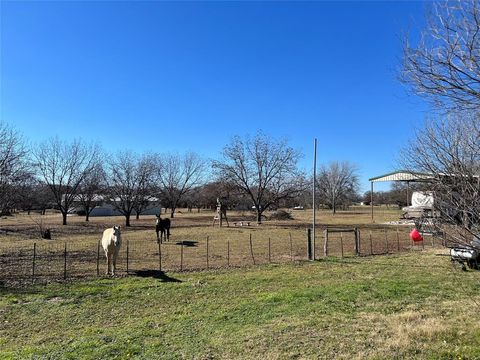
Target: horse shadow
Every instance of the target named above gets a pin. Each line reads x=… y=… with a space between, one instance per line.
x=187 y=243
x=155 y=274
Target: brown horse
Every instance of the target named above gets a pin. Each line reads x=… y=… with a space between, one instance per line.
x=163 y=227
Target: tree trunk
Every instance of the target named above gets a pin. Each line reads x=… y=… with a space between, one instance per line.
x=127 y=220
x=138 y=215
x=172 y=213
x=64 y=217
x=87 y=213
x=259 y=216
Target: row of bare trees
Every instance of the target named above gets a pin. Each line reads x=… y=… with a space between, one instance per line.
x=257 y=173
x=62 y=174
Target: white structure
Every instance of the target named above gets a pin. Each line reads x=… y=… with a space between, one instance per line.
x=106 y=208
x=422 y=204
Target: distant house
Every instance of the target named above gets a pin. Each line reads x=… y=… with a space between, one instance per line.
x=106 y=208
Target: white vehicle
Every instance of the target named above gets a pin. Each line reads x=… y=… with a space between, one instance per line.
x=469 y=255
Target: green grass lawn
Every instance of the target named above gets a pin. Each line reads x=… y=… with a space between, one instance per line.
x=404 y=306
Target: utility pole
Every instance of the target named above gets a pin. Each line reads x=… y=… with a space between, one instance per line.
x=313 y=196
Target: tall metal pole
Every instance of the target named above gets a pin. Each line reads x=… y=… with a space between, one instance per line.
x=371 y=198
x=313 y=192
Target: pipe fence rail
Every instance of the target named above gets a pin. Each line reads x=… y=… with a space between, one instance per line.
x=45 y=261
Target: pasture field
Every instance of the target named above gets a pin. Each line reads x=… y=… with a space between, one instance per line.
x=74 y=252
x=409 y=305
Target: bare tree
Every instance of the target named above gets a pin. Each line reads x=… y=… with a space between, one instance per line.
x=444 y=66
x=177 y=175
x=449 y=150
x=13 y=166
x=63 y=166
x=35 y=195
x=146 y=188
x=128 y=177
x=91 y=188
x=337 y=183
x=262 y=168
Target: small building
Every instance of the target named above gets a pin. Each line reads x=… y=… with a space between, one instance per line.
x=104 y=207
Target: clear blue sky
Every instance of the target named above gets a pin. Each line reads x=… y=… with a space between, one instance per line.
x=158 y=76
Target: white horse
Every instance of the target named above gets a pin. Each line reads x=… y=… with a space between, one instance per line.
x=111 y=242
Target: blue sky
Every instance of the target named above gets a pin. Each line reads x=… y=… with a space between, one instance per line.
x=177 y=76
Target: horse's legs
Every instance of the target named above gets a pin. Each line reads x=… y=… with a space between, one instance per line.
x=108 y=263
x=158 y=240
x=114 y=263
x=168 y=233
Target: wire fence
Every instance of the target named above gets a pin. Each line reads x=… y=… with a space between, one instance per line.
x=45 y=262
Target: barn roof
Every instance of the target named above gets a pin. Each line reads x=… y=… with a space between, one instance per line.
x=402 y=175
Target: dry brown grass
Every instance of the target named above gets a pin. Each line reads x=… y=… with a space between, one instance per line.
x=272 y=241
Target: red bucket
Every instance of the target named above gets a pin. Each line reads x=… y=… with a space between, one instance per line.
x=415 y=235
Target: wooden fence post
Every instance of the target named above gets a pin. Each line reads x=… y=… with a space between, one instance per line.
x=98 y=258
x=65 y=263
x=251 y=249
x=207 y=254
x=34 y=258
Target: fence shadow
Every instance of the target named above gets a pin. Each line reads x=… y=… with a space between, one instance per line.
x=155 y=274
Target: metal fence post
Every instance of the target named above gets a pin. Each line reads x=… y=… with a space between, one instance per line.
x=251 y=249
x=398 y=241
x=228 y=252
x=34 y=258
x=269 y=251
x=371 y=243
x=98 y=258
x=65 y=263
x=325 y=244
x=208 y=265
x=181 y=256
x=291 y=247
x=159 y=256
x=386 y=240
x=341 y=242
x=127 y=255
x=309 y=244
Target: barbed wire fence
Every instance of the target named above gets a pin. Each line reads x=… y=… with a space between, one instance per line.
x=45 y=262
